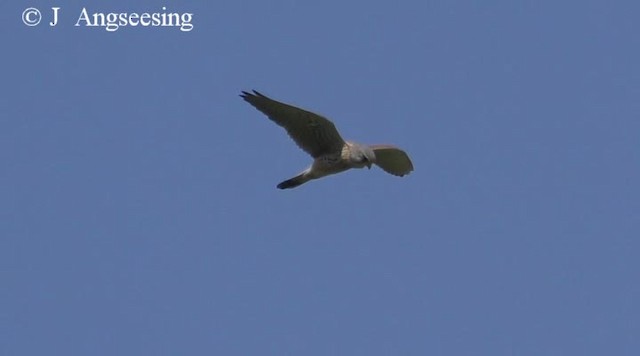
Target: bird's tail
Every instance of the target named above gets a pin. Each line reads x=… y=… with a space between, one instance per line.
x=294 y=182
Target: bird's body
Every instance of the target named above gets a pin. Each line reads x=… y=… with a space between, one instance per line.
x=319 y=137
x=325 y=165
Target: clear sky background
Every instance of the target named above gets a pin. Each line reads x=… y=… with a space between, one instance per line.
x=139 y=213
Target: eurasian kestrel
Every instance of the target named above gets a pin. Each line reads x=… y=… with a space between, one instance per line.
x=319 y=137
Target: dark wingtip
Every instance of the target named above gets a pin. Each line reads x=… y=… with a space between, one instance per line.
x=284 y=185
x=289 y=183
x=247 y=96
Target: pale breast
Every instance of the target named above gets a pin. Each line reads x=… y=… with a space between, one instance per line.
x=328 y=164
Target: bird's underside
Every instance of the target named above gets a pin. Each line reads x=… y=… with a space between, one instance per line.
x=319 y=137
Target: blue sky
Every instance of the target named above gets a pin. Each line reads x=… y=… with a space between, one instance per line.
x=139 y=213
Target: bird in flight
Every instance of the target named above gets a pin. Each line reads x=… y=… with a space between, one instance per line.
x=319 y=137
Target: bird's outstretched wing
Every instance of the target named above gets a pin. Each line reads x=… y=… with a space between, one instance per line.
x=392 y=159
x=313 y=133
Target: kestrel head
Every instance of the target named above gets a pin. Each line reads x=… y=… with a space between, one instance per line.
x=361 y=155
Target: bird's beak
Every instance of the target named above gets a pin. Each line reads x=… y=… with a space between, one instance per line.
x=369 y=165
